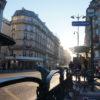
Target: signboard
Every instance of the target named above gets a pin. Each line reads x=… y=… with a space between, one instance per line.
x=90 y=12
x=80 y=23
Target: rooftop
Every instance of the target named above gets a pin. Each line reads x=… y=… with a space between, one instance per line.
x=24 y=12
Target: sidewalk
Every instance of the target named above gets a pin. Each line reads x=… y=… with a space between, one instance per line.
x=87 y=94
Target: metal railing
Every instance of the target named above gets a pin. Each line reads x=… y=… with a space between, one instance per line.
x=44 y=92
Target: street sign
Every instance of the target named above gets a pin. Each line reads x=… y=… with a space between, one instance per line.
x=90 y=12
x=80 y=23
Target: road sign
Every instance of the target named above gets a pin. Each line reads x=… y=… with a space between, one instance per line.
x=90 y=12
x=80 y=23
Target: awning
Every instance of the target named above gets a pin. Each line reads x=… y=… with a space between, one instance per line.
x=80 y=49
x=22 y=58
x=6 y=40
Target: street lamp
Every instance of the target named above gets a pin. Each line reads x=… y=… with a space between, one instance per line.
x=78 y=18
x=75 y=32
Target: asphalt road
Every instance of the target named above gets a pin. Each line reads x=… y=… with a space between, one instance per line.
x=25 y=90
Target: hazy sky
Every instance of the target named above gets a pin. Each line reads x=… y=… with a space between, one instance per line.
x=56 y=14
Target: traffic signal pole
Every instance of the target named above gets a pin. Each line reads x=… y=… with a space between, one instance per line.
x=78 y=32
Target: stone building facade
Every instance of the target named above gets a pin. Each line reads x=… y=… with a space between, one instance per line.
x=5 y=40
x=34 y=41
x=6 y=29
x=61 y=55
x=96 y=29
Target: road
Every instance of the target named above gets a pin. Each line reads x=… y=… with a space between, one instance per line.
x=22 y=91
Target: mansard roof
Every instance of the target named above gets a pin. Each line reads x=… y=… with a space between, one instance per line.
x=24 y=12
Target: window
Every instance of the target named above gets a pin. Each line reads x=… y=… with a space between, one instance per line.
x=97 y=32
x=24 y=53
x=34 y=29
x=25 y=35
x=15 y=18
x=13 y=35
x=96 y=53
x=25 y=27
x=13 y=27
x=28 y=28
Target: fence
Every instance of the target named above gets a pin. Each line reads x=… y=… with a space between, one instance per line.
x=44 y=90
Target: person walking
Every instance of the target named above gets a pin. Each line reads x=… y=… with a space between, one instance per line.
x=77 y=67
x=71 y=67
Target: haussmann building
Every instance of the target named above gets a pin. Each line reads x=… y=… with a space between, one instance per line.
x=95 y=4
x=34 y=42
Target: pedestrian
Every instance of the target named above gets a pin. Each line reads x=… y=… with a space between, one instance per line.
x=85 y=61
x=77 y=71
x=71 y=66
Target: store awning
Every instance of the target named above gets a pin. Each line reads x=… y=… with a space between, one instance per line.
x=6 y=40
x=22 y=58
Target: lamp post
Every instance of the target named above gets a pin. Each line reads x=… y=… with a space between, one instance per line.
x=78 y=18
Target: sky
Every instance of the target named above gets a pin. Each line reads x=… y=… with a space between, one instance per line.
x=57 y=16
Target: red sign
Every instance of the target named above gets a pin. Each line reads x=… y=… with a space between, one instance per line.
x=29 y=46
x=90 y=12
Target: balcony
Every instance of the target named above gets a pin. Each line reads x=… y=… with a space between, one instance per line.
x=17 y=47
x=25 y=22
x=22 y=21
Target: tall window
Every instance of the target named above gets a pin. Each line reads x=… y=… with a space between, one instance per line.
x=25 y=35
x=97 y=32
x=13 y=35
x=24 y=53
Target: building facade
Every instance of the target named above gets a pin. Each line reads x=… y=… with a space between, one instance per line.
x=2 y=5
x=6 y=27
x=96 y=29
x=6 y=30
x=34 y=41
x=5 y=40
x=61 y=55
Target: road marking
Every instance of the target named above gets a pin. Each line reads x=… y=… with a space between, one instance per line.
x=11 y=94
